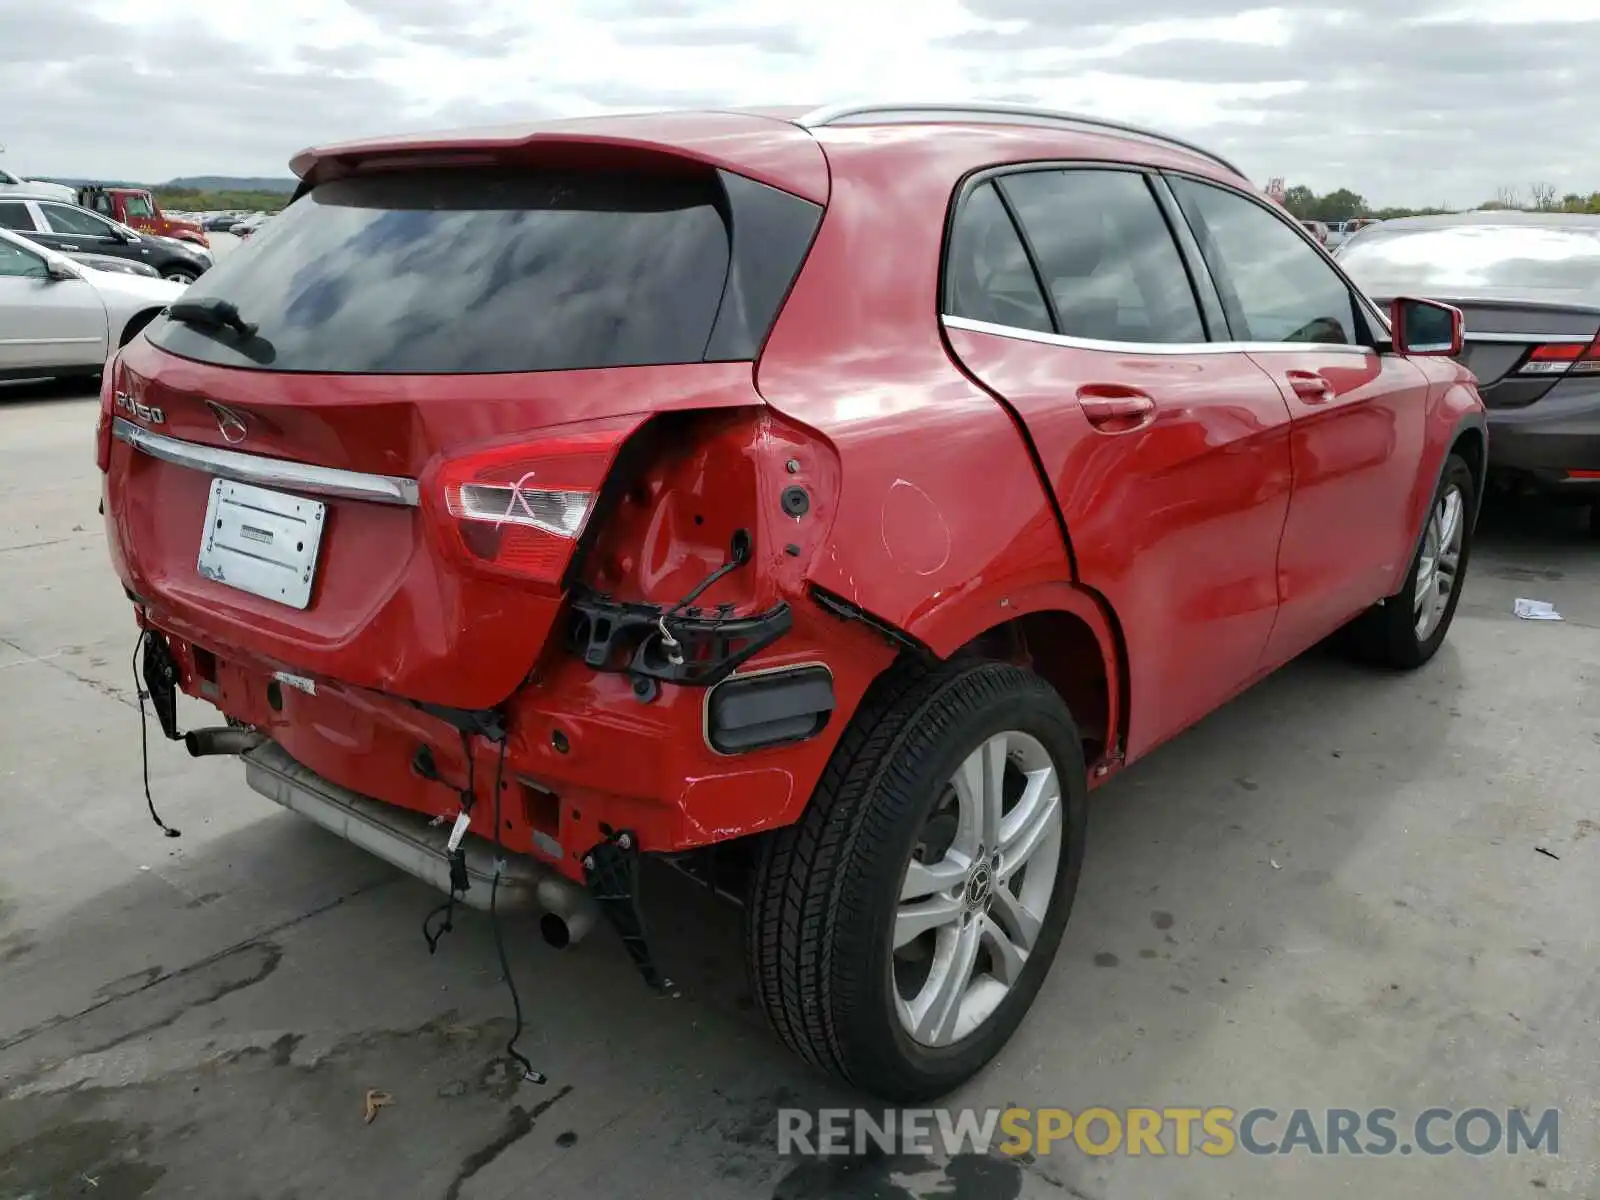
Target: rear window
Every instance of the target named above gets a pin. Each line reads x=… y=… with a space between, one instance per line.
x=468 y=271
x=1473 y=257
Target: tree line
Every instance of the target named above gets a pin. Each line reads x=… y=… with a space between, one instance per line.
x=1342 y=204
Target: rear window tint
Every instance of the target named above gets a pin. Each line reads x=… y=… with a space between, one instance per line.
x=1475 y=256
x=468 y=271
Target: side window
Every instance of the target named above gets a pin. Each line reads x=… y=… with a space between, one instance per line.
x=62 y=219
x=16 y=262
x=15 y=215
x=1107 y=256
x=988 y=277
x=1275 y=287
x=137 y=206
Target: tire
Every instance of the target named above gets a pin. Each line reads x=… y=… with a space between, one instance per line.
x=180 y=275
x=1392 y=634
x=826 y=899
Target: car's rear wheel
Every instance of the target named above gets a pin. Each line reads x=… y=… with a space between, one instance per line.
x=1408 y=628
x=898 y=934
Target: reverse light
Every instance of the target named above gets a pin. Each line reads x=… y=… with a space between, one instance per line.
x=1567 y=358
x=518 y=510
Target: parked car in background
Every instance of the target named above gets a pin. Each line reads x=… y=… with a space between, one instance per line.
x=1529 y=284
x=1342 y=231
x=1316 y=229
x=137 y=209
x=72 y=230
x=612 y=487
x=249 y=225
x=222 y=222
x=62 y=318
x=14 y=185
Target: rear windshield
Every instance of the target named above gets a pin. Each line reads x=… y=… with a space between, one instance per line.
x=1469 y=258
x=468 y=271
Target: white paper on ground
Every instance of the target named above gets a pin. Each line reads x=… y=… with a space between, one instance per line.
x=1535 y=610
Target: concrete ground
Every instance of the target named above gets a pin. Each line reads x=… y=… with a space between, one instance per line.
x=1346 y=889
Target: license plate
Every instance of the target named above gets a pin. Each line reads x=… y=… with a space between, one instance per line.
x=261 y=541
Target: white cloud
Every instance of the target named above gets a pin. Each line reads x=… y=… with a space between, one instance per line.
x=129 y=89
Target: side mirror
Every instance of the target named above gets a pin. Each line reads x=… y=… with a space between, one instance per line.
x=122 y=235
x=1426 y=327
x=58 y=272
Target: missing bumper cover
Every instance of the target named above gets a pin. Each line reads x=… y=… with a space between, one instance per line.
x=768 y=708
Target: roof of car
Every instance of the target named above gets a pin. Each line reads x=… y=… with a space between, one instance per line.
x=776 y=144
x=1589 y=222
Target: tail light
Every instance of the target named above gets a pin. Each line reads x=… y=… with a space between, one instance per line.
x=103 y=423
x=1567 y=358
x=518 y=510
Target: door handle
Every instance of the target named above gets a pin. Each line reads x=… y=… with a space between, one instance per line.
x=1113 y=408
x=1311 y=387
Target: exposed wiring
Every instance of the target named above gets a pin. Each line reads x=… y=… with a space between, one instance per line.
x=144 y=740
x=739 y=554
x=459 y=884
x=528 y=1073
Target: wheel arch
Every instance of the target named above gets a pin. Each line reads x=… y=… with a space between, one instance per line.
x=1066 y=634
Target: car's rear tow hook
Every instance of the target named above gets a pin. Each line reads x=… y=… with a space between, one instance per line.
x=221 y=739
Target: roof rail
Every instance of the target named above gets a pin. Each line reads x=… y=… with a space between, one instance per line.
x=1022 y=114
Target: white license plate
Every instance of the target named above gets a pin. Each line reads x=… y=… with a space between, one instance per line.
x=261 y=541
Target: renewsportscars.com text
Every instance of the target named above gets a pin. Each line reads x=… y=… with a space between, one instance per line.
x=1214 y=1132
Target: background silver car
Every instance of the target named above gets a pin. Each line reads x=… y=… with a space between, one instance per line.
x=58 y=317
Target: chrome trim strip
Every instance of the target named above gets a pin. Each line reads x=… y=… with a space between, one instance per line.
x=838 y=114
x=1078 y=343
x=268 y=472
x=1534 y=339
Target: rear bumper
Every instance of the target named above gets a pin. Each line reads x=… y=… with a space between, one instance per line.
x=1557 y=434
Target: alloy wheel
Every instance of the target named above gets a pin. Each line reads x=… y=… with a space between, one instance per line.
x=976 y=891
x=1439 y=563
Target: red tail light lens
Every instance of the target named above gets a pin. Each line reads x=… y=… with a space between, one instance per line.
x=103 y=424
x=1567 y=358
x=518 y=510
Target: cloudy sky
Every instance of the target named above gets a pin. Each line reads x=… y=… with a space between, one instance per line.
x=1444 y=105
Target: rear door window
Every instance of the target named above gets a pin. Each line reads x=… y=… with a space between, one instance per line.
x=988 y=275
x=1107 y=255
x=75 y=221
x=15 y=215
x=475 y=271
x=1275 y=287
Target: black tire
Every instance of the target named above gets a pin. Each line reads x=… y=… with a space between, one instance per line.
x=819 y=923
x=1387 y=635
x=180 y=275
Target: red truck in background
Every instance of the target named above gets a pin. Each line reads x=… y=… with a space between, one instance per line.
x=137 y=208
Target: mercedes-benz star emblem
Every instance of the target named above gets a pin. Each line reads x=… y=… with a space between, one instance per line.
x=231 y=423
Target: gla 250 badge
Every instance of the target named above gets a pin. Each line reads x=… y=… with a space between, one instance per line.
x=130 y=407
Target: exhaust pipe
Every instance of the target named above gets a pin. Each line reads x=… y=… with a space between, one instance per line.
x=569 y=912
x=409 y=841
x=221 y=739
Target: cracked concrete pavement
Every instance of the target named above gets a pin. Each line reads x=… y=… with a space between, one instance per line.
x=1331 y=893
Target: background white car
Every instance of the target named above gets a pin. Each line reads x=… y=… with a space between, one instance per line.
x=58 y=317
x=27 y=187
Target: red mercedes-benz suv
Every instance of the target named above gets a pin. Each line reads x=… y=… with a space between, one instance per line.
x=851 y=491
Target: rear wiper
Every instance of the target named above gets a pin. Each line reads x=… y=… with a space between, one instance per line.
x=211 y=313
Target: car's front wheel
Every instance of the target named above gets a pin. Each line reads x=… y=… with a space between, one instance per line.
x=179 y=275
x=1408 y=628
x=898 y=934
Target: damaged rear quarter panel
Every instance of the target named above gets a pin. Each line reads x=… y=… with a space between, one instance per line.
x=941 y=509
